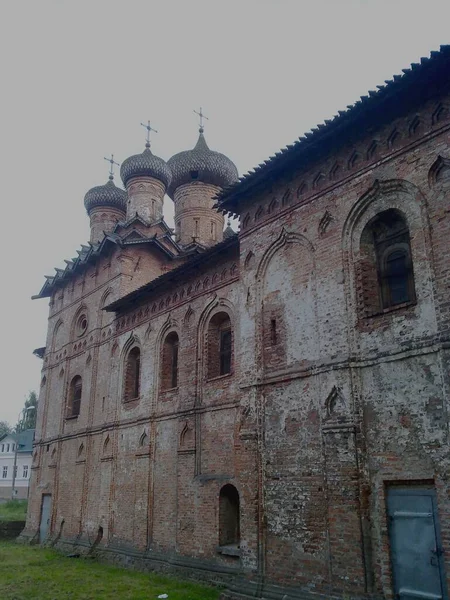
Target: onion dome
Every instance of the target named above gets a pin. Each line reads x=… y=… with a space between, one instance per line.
x=106 y=195
x=145 y=165
x=201 y=164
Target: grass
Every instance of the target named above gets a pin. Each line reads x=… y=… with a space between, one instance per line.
x=13 y=510
x=31 y=572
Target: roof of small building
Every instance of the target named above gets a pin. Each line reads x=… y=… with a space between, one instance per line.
x=418 y=83
x=201 y=164
x=24 y=440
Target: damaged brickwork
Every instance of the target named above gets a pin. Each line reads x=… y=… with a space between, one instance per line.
x=277 y=405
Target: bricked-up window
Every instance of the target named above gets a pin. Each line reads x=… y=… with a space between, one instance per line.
x=132 y=387
x=75 y=391
x=169 y=363
x=220 y=346
x=386 y=270
x=229 y=528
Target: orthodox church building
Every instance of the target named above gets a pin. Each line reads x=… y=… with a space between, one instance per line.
x=268 y=408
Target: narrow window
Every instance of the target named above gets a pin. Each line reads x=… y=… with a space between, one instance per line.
x=169 y=363
x=273 y=332
x=25 y=471
x=75 y=392
x=3 y=447
x=213 y=230
x=5 y=472
x=395 y=274
x=132 y=374
x=225 y=351
x=229 y=526
x=196 y=228
x=15 y=472
x=220 y=346
x=7 y=447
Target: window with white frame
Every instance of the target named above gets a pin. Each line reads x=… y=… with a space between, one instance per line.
x=3 y=447
x=15 y=471
x=5 y=472
x=7 y=447
x=25 y=472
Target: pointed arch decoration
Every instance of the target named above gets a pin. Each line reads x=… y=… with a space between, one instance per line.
x=189 y=316
x=439 y=171
x=59 y=323
x=284 y=238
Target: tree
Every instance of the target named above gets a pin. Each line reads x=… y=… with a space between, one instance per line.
x=5 y=428
x=28 y=417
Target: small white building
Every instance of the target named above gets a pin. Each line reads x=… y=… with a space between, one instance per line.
x=18 y=445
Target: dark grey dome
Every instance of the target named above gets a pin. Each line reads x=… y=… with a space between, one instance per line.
x=145 y=165
x=106 y=195
x=201 y=164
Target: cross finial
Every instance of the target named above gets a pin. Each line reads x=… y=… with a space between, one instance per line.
x=112 y=162
x=148 y=128
x=202 y=116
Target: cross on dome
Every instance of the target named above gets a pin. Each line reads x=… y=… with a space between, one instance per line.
x=148 y=128
x=202 y=116
x=112 y=162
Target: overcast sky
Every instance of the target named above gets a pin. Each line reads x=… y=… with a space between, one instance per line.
x=77 y=78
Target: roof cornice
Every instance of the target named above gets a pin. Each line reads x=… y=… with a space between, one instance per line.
x=420 y=82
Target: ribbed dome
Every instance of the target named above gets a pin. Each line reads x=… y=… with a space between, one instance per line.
x=145 y=165
x=201 y=164
x=106 y=195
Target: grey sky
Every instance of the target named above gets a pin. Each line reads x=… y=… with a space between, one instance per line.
x=78 y=77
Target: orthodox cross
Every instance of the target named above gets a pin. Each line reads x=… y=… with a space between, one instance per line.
x=112 y=162
x=148 y=128
x=202 y=116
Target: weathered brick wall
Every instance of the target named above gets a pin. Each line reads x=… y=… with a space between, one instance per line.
x=386 y=376
x=324 y=408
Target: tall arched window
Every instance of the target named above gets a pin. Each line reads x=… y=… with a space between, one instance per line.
x=132 y=384
x=75 y=391
x=220 y=346
x=229 y=526
x=169 y=363
x=386 y=269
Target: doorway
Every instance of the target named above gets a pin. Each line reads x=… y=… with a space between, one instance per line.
x=416 y=549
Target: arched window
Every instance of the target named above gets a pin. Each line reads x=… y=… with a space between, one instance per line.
x=229 y=527
x=220 y=345
x=385 y=263
x=132 y=386
x=75 y=391
x=169 y=363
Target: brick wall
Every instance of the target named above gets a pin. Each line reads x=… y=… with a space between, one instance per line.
x=326 y=405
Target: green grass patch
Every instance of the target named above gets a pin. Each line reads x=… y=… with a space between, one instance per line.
x=41 y=574
x=13 y=510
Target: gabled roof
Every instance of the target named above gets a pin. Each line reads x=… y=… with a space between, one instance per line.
x=91 y=253
x=418 y=83
x=131 y=299
x=24 y=440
